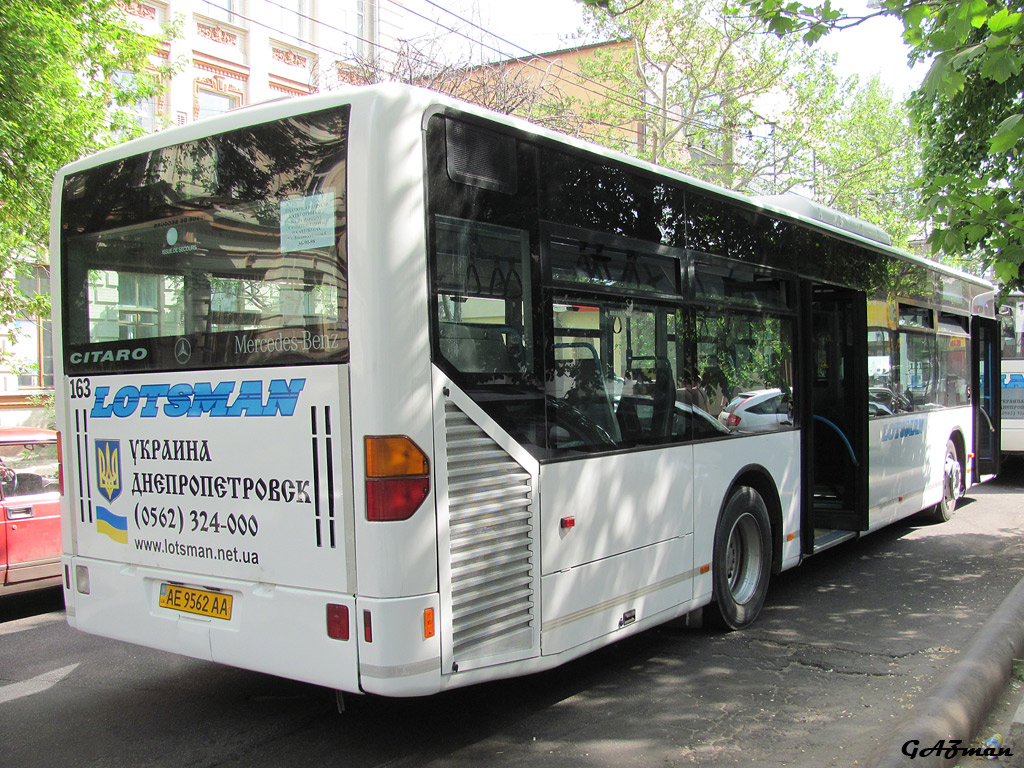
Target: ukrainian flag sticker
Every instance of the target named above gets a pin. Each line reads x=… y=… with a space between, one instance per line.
x=109 y=524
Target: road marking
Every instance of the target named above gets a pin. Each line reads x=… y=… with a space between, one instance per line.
x=21 y=625
x=35 y=685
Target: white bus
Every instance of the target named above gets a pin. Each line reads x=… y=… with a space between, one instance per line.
x=387 y=393
x=1011 y=314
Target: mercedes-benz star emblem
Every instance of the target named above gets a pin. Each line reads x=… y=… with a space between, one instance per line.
x=182 y=351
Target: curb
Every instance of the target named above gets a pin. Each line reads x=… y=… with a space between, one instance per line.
x=1015 y=739
x=957 y=704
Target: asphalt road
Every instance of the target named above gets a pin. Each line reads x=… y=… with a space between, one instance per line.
x=846 y=645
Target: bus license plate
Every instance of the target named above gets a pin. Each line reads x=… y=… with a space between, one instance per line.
x=216 y=605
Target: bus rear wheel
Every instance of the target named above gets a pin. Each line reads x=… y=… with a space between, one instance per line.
x=742 y=561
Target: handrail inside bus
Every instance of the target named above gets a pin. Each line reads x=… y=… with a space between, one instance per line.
x=988 y=419
x=838 y=431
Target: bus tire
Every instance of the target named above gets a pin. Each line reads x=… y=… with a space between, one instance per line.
x=952 y=485
x=742 y=560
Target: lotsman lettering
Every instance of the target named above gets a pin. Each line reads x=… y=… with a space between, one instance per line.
x=249 y=400
x=151 y=393
x=207 y=399
x=283 y=397
x=201 y=399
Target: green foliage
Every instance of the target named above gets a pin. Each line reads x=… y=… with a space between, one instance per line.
x=70 y=70
x=48 y=403
x=870 y=161
x=698 y=87
x=968 y=111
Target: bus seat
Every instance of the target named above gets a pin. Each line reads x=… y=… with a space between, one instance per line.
x=476 y=348
x=590 y=396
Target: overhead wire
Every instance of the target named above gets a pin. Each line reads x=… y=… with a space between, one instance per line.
x=348 y=33
x=637 y=102
x=337 y=54
x=607 y=92
x=606 y=89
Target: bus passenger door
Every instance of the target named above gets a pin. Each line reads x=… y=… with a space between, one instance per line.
x=986 y=380
x=834 y=415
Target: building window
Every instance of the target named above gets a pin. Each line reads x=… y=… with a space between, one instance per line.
x=32 y=352
x=291 y=20
x=222 y=10
x=145 y=112
x=210 y=103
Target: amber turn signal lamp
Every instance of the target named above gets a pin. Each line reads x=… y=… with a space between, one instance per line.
x=394 y=456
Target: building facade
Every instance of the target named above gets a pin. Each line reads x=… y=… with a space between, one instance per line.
x=226 y=54
x=232 y=53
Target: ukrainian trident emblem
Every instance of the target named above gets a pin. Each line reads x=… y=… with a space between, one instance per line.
x=108 y=468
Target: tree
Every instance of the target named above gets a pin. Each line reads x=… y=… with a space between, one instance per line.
x=689 y=89
x=709 y=92
x=968 y=111
x=70 y=70
x=522 y=87
x=869 y=162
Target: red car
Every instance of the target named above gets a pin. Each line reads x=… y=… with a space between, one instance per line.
x=30 y=544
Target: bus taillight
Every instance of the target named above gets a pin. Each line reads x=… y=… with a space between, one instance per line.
x=397 y=478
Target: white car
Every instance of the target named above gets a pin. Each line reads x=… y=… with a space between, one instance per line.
x=760 y=410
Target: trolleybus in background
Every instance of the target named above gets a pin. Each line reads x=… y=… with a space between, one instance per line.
x=1011 y=314
x=387 y=393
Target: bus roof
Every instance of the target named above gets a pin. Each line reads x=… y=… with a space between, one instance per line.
x=791 y=207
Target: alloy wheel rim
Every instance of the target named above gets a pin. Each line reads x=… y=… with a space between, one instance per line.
x=743 y=558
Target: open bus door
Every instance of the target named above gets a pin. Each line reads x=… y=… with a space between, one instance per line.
x=986 y=381
x=834 y=415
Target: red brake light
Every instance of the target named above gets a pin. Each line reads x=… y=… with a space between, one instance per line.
x=395 y=498
x=732 y=420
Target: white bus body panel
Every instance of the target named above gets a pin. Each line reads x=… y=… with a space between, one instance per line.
x=629 y=551
x=1012 y=406
x=273 y=629
x=214 y=473
x=718 y=464
x=203 y=478
x=902 y=480
x=388 y=309
x=613 y=542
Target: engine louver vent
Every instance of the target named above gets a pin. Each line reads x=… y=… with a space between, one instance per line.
x=491 y=543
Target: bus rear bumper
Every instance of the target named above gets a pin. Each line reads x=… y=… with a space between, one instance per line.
x=400 y=654
x=273 y=629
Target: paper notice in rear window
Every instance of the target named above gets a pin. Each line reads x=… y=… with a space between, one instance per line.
x=307 y=222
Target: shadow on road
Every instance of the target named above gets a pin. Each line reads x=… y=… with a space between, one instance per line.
x=843 y=649
x=25 y=604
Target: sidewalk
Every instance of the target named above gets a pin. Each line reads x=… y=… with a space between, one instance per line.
x=960 y=703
